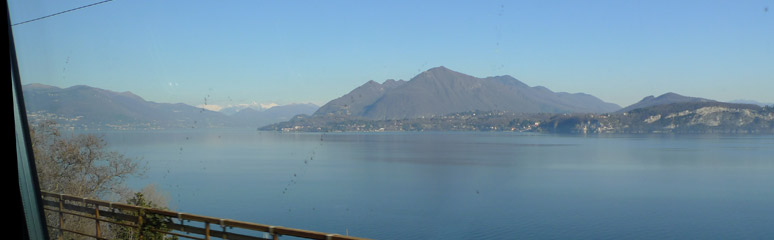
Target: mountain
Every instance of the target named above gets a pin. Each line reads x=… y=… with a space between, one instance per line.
x=233 y=109
x=681 y=117
x=252 y=117
x=744 y=101
x=667 y=98
x=357 y=101
x=440 y=91
x=88 y=107
x=674 y=118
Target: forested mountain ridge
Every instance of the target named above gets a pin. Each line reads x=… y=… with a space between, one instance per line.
x=85 y=107
x=440 y=91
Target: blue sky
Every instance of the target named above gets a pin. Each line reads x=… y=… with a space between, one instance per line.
x=233 y=52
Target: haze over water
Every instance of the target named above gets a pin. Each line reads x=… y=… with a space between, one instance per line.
x=426 y=185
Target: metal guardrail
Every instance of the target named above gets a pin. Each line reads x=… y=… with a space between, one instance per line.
x=133 y=217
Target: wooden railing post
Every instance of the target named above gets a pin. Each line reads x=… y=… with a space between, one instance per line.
x=61 y=216
x=96 y=214
x=223 y=227
x=274 y=236
x=140 y=212
x=207 y=230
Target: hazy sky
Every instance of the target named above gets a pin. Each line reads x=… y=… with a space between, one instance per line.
x=232 y=52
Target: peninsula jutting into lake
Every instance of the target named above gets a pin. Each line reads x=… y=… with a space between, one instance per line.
x=440 y=99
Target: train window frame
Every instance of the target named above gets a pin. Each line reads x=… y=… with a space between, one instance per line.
x=30 y=214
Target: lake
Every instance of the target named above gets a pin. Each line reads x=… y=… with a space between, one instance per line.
x=467 y=185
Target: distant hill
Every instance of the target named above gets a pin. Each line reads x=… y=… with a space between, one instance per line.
x=667 y=98
x=742 y=101
x=440 y=91
x=682 y=117
x=88 y=107
x=357 y=102
x=255 y=118
x=674 y=118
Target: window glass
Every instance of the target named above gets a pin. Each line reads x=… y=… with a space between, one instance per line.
x=420 y=120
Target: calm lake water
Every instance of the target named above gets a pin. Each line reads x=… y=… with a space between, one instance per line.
x=468 y=185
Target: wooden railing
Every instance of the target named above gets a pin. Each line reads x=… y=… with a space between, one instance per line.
x=176 y=224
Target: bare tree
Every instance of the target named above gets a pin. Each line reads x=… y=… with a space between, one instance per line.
x=79 y=165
